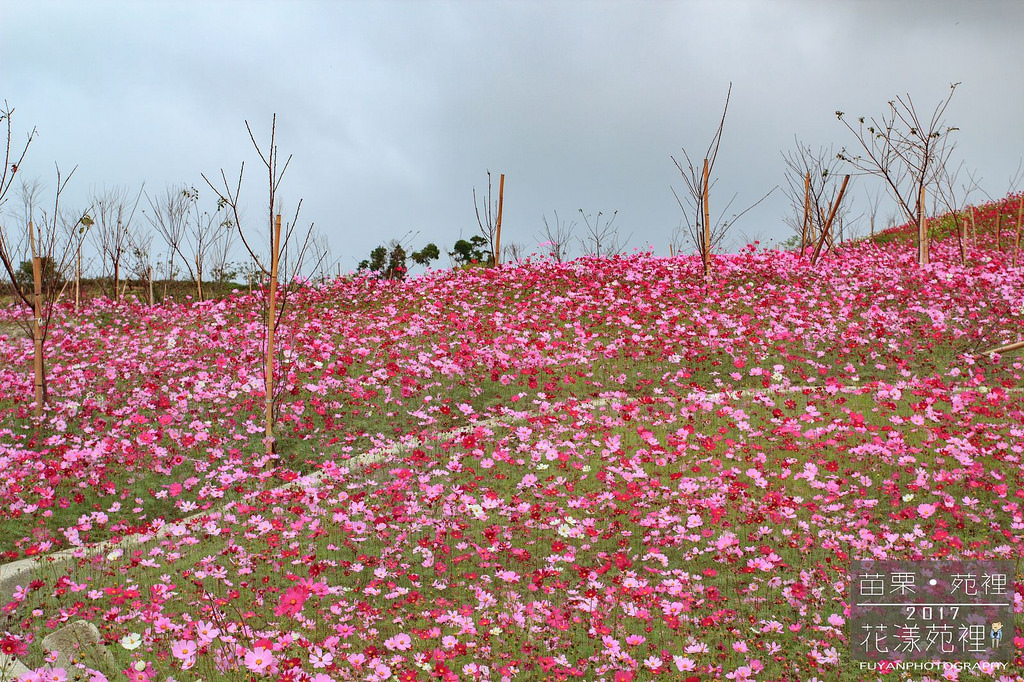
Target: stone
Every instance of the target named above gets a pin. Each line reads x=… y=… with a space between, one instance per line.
x=79 y=642
x=11 y=668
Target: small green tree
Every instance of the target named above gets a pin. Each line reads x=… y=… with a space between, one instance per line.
x=396 y=263
x=424 y=256
x=390 y=263
x=376 y=261
x=51 y=276
x=476 y=250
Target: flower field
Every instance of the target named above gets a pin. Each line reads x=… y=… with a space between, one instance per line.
x=598 y=470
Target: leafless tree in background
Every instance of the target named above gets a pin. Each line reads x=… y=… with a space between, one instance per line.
x=908 y=153
x=221 y=270
x=12 y=164
x=705 y=233
x=112 y=233
x=514 y=252
x=207 y=233
x=557 y=238
x=140 y=262
x=811 y=188
x=168 y=215
x=290 y=252
x=600 y=240
x=53 y=244
x=952 y=195
x=488 y=221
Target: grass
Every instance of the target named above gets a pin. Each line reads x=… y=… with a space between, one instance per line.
x=736 y=602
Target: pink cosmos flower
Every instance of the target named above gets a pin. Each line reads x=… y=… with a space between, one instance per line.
x=292 y=601
x=258 y=660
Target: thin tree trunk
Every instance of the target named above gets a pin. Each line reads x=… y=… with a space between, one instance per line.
x=271 y=312
x=807 y=213
x=78 y=277
x=199 y=278
x=1016 y=239
x=37 y=330
x=706 y=247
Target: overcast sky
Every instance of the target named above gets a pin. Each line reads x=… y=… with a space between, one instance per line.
x=394 y=111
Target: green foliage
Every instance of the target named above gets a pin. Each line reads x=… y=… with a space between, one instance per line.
x=476 y=250
x=428 y=253
x=390 y=263
x=223 y=274
x=396 y=263
x=52 y=279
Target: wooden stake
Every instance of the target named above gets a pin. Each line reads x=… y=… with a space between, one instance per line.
x=826 y=228
x=271 y=312
x=706 y=248
x=497 y=241
x=974 y=230
x=1002 y=349
x=149 y=276
x=999 y=231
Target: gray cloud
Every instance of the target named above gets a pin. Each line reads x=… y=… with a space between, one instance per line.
x=394 y=110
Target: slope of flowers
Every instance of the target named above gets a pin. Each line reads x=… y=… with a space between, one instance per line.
x=696 y=522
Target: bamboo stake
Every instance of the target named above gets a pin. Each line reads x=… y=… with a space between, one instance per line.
x=497 y=241
x=828 y=221
x=974 y=230
x=149 y=276
x=271 y=310
x=999 y=231
x=1002 y=349
x=706 y=246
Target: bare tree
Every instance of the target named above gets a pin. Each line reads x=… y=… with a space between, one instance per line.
x=168 y=215
x=7 y=176
x=557 y=238
x=52 y=247
x=706 y=234
x=221 y=269
x=952 y=195
x=909 y=153
x=289 y=252
x=514 y=252
x=140 y=262
x=112 y=234
x=206 y=232
x=489 y=221
x=600 y=240
x=812 y=190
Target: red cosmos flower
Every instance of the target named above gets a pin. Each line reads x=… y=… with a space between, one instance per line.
x=10 y=646
x=292 y=601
